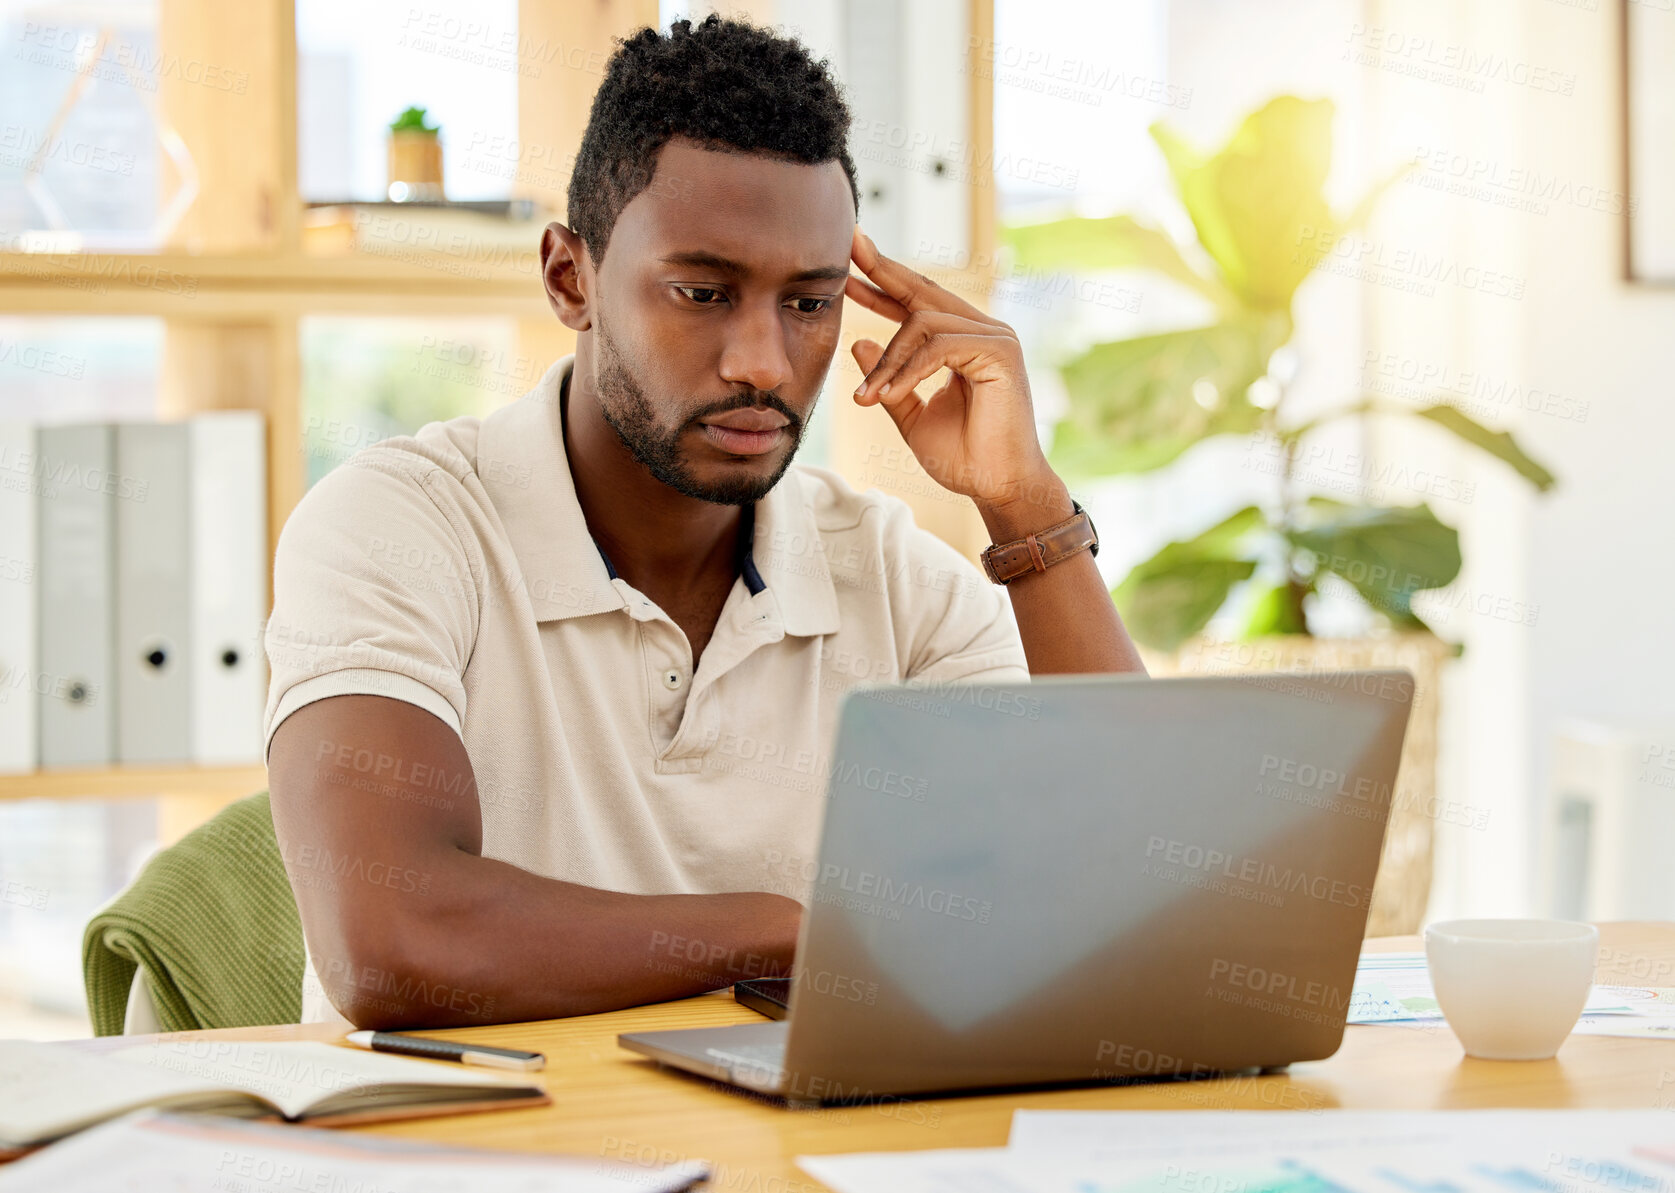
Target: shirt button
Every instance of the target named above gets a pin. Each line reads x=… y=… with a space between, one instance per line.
x=672 y=680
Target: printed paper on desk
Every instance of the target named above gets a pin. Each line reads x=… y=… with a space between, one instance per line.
x=1337 y=1151
x=1165 y=1134
x=1396 y=988
x=1650 y=1015
x=1619 y=1163
x=1008 y=1170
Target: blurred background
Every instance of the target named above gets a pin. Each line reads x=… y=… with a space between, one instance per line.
x=1349 y=320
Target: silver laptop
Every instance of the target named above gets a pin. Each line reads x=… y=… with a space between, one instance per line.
x=1078 y=880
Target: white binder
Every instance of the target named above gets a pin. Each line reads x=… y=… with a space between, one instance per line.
x=73 y=679
x=229 y=586
x=20 y=568
x=152 y=618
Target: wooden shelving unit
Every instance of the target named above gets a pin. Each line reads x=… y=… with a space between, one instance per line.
x=173 y=285
x=239 y=275
x=116 y=782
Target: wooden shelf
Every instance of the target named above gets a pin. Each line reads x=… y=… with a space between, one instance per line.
x=126 y=781
x=221 y=287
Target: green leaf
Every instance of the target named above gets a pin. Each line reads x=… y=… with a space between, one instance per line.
x=1166 y=607
x=1499 y=444
x=1182 y=159
x=1171 y=596
x=1227 y=535
x=1132 y=406
x=1116 y=242
x=1387 y=554
x=1259 y=205
x=1277 y=609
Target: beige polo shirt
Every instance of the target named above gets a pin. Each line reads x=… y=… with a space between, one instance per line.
x=454 y=570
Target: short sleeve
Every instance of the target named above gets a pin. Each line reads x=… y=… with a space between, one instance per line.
x=959 y=627
x=373 y=592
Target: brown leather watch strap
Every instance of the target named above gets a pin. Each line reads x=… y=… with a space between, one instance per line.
x=1005 y=562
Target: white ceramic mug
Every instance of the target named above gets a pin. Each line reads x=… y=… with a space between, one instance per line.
x=1511 y=989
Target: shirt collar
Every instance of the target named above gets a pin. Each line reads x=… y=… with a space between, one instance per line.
x=524 y=470
x=746 y=563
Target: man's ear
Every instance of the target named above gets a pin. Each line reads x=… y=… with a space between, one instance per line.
x=564 y=260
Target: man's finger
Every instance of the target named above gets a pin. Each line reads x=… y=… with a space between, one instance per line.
x=909 y=288
x=874 y=299
x=955 y=351
x=920 y=326
x=866 y=353
x=903 y=405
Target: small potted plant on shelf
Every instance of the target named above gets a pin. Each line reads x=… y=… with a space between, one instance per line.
x=415 y=159
x=1258 y=207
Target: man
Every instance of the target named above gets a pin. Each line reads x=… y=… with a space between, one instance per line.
x=552 y=691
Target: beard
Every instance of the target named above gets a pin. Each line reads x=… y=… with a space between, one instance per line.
x=655 y=445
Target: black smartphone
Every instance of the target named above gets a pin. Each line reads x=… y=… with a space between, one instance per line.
x=766 y=996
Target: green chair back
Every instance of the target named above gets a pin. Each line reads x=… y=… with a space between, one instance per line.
x=212 y=922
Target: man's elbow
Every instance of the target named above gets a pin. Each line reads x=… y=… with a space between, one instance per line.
x=360 y=981
x=386 y=976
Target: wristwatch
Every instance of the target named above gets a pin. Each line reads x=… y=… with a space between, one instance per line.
x=1005 y=562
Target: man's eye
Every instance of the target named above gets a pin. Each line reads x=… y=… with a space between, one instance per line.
x=811 y=306
x=705 y=296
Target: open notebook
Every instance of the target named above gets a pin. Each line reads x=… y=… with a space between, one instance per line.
x=188 y=1153
x=51 y=1090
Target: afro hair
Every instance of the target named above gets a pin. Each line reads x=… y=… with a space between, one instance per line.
x=723 y=83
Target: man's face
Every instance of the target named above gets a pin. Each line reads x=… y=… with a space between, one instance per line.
x=716 y=316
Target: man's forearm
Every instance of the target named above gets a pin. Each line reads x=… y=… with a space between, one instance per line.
x=1066 y=618
x=493 y=943
x=410 y=926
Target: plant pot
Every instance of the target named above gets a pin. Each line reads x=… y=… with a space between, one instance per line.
x=1403 y=886
x=415 y=167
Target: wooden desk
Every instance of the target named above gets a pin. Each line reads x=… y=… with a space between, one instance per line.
x=607 y=1102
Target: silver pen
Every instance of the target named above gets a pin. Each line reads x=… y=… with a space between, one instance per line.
x=465 y=1054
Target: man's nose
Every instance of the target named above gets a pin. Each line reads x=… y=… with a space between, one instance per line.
x=754 y=354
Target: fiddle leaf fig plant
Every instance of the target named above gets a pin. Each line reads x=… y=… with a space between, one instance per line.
x=1262 y=223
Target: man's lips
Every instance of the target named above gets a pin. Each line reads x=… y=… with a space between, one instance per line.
x=742 y=443
x=747 y=419
x=745 y=432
